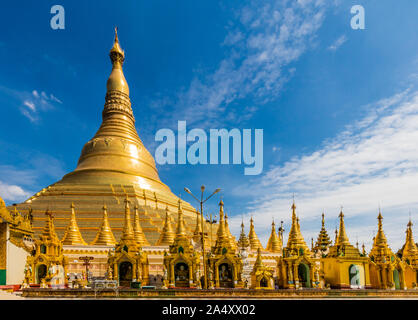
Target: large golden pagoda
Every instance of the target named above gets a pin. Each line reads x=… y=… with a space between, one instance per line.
x=112 y=165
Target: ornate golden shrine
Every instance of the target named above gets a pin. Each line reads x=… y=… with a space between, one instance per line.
x=47 y=265
x=224 y=264
x=345 y=266
x=409 y=255
x=182 y=262
x=386 y=269
x=128 y=263
x=298 y=268
x=261 y=276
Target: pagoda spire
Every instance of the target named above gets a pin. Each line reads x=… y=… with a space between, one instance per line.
x=48 y=233
x=252 y=236
x=128 y=231
x=231 y=238
x=138 y=233
x=259 y=261
x=273 y=244
x=222 y=240
x=105 y=235
x=243 y=241
x=342 y=235
x=72 y=235
x=295 y=240
x=323 y=242
x=181 y=229
x=117 y=79
x=410 y=249
x=380 y=247
x=167 y=235
x=198 y=230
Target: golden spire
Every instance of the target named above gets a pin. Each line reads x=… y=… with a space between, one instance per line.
x=72 y=235
x=252 y=236
x=259 y=261
x=167 y=235
x=116 y=154
x=243 y=241
x=295 y=240
x=380 y=247
x=222 y=240
x=410 y=249
x=105 y=235
x=181 y=229
x=116 y=79
x=221 y=229
x=342 y=235
x=48 y=233
x=231 y=238
x=128 y=231
x=198 y=231
x=323 y=241
x=138 y=233
x=273 y=244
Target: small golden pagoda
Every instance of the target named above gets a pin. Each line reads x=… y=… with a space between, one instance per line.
x=386 y=270
x=197 y=234
x=324 y=241
x=167 y=235
x=231 y=238
x=105 y=235
x=261 y=276
x=224 y=265
x=409 y=255
x=182 y=262
x=253 y=238
x=73 y=236
x=243 y=242
x=344 y=266
x=47 y=265
x=298 y=268
x=274 y=244
x=138 y=233
x=128 y=263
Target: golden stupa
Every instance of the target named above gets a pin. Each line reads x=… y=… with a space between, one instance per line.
x=113 y=165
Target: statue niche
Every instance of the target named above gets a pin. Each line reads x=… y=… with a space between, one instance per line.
x=181 y=275
x=225 y=275
x=125 y=274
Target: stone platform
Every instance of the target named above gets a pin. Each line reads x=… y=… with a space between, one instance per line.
x=122 y=293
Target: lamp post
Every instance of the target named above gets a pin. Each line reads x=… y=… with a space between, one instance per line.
x=201 y=201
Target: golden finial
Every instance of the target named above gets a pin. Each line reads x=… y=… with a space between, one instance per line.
x=181 y=229
x=274 y=243
x=342 y=235
x=128 y=231
x=105 y=235
x=139 y=235
x=253 y=238
x=167 y=234
x=117 y=81
x=73 y=235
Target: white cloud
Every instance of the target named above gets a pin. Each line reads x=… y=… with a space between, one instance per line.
x=32 y=103
x=12 y=192
x=338 y=43
x=373 y=161
x=265 y=38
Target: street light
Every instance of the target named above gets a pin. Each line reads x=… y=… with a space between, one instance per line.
x=201 y=201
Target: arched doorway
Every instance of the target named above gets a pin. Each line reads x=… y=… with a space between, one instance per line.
x=264 y=282
x=125 y=274
x=304 y=276
x=396 y=280
x=181 y=275
x=354 y=275
x=41 y=272
x=225 y=275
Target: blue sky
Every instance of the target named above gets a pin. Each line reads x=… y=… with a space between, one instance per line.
x=339 y=107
